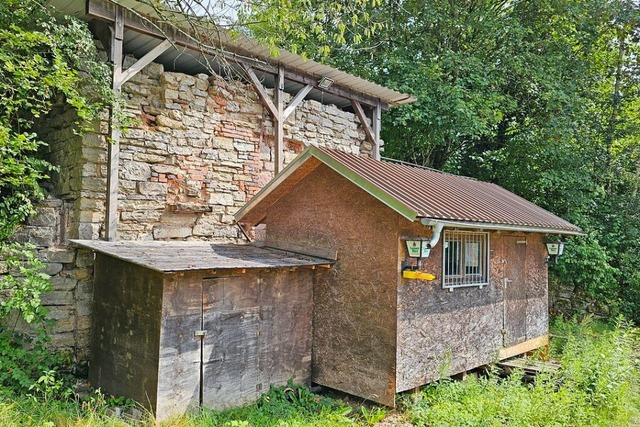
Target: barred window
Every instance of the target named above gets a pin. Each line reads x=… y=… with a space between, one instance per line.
x=466 y=259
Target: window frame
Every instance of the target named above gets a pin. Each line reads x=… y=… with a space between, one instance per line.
x=462 y=238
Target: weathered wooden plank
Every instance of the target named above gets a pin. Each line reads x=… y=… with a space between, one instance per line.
x=113 y=148
x=262 y=93
x=524 y=347
x=230 y=350
x=126 y=330
x=180 y=349
x=297 y=99
x=364 y=121
x=279 y=121
x=376 y=126
x=144 y=61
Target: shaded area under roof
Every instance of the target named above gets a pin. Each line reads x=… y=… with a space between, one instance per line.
x=192 y=61
x=415 y=192
x=168 y=256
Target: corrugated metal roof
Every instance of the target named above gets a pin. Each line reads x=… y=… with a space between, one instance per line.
x=168 y=256
x=416 y=192
x=134 y=43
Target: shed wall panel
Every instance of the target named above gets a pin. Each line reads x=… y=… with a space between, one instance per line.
x=442 y=332
x=179 y=367
x=354 y=320
x=126 y=329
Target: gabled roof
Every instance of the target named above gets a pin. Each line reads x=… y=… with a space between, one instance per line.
x=414 y=193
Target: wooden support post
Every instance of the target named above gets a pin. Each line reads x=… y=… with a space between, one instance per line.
x=279 y=121
x=113 y=150
x=376 y=125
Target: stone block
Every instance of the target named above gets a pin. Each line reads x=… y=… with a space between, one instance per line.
x=60 y=283
x=152 y=188
x=84 y=258
x=57 y=298
x=169 y=123
x=171 y=232
x=52 y=268
x=135 y=171
x=149 y=158
x=224 y=199
x=45 y=217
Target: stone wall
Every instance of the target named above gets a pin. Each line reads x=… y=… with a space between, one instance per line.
x=201 y=146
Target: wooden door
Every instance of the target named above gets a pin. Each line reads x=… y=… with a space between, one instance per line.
x=515 y=290
x=230 y=374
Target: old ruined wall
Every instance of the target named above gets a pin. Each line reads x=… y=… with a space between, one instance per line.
x=443 y=332
x=200 y=146
x=354 y=307
x=203 y=147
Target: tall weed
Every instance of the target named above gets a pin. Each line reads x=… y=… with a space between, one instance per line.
x=597 y=386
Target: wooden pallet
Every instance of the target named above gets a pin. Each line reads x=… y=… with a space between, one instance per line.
x=531 y=367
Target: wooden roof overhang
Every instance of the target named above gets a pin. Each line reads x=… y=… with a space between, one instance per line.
x=133 y=27
x=174 y=256
x=416 y=194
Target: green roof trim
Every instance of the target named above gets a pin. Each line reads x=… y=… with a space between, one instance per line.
x=344 y=171
x=365 y=185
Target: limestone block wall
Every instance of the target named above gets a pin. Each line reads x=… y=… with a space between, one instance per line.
x=201 y=146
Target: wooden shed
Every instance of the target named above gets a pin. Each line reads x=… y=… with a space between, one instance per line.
x=182 y=324
x=386 y=322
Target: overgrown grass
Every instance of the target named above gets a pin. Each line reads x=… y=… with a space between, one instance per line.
x=597 y=386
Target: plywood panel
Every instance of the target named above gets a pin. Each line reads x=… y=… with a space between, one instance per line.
x=354 y=321
x=443 y=332
x=179 y=370
x=126 y=330
x=258 y=333
x=515 y=290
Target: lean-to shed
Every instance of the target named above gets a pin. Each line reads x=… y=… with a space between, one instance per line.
x=376 y=332
x=182 y=324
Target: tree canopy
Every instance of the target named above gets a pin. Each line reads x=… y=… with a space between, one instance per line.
x=541 y=97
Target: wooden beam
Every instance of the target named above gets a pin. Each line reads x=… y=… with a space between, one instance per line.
x=113 y=145
x=523 y=347
x=376 y=126
x=262 y=93
x=104 y=11
x=364 y=121
x=302 y=93
x=144 y=61
x=279 y=124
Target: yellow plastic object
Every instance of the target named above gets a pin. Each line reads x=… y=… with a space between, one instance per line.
x=412 y=274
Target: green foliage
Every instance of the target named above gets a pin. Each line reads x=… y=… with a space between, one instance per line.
x=291 y=406
x=44 y=62
x=22 y=283
x=597 y=386
x=372 y=415
x=540 y=97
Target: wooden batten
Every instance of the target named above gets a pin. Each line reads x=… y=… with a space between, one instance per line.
x=523 y=347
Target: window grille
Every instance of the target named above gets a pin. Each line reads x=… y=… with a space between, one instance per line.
x=466 y=259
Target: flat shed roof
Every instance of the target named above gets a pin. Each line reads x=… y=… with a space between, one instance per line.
x=165 y=256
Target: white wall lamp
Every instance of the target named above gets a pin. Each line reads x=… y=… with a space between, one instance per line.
x=554 y=250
